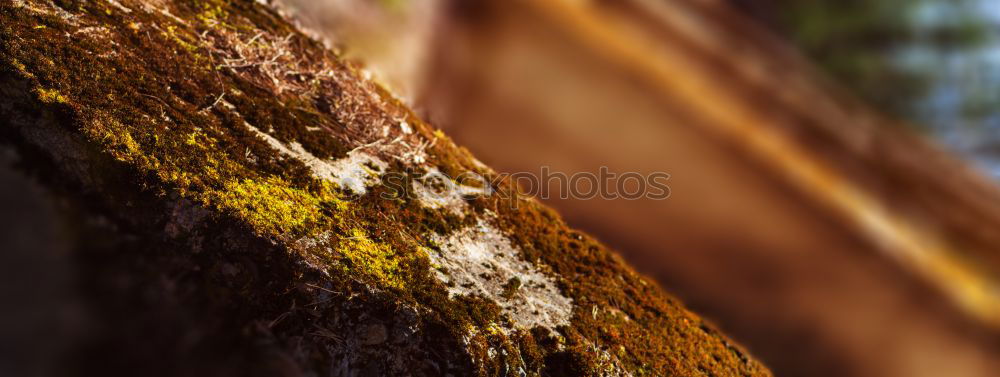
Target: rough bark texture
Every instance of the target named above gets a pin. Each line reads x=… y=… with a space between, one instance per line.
x=229 y=179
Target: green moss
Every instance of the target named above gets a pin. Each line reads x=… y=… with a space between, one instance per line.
x=50 y=96
x=269 y=205
x=173 y=35
x=377 y=260
x=21 y=68
x=213 y=14
x=118 y=139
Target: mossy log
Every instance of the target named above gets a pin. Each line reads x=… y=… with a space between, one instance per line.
x=246 y=169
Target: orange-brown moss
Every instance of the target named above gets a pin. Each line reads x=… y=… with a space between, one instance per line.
x=163 y=96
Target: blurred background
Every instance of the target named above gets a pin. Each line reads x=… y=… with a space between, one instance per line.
x=933 y=62
x=833 y=162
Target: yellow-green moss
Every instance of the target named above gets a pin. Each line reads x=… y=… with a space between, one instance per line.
x=172 y=33
x=21 y=68
x=117 y=139
x=212 y=14
x=271 y=205
x=50 y=95
x=376 y=260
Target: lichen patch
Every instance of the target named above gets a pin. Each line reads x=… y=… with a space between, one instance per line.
x=354 y=173
x=435 y=190
x=480 y=260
